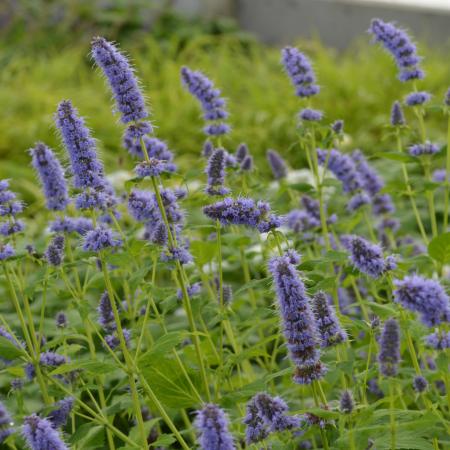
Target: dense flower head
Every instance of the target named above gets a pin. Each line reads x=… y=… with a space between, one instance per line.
x=370 y=179
x=192 y=290
x=399 y=44
x=80 y=225
x=216 y=173
x=6 y=251
x=342 y=167
x=51 y=175
x=105 y=313
x=213 y=105
x=212 y=426
x=366 y=257
x=299 y=220
x=59 y=416
x=227 y=292
x=426 y=148
x=124 y=85
x=100 y=238
x=346 y=402
x=5 y=423
x=389 y=355
x=55 y=251
x=156 y=148
x=154 y=167
x=424 y=296
x=52 y=359
x=439 y=176
x=310 y=115
x=113 y=340
x=420 y=384
x=256 y=429
x=382 y=204
x=300 y=71
x=397 y=116
x=10 y=228
x=247 y=164
x=300 y=329
x=417 y=98
x=439 y=340
x=179 y=253
x=277 y=164
x=91 y=199
x=87 y=170
x=243 y=211
x=357 y=201
x=328 y=326
x=208 y=148
x=241 y=152
x=39 y=434
x=447 y=98
x=338 y=126
x=61 y=320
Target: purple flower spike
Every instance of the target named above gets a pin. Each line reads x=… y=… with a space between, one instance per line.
x=346 y=403
x=5 y=423
x=212 y=426
x=105 y=313
x=99 y=239
x=338 y=126
x=86 y=168
x=369 y=177
x=310 y=115
x=420 y=384
x=39 y=434
x=300 y=329
x=389 y=356
x=117 y=69
x=424 y=149
x=439 y=340
x=447 y=98
x=55 y=251
x=277 y=164
x=424 y=296
x=247 y=164
x=382 y=204
x=397 y=117
x=51 y=175
x=357 y=201
x=59 y=416
x=216 y=173
x=399 y=44
x=242 y=152
x=272 y=411
x=300 y=71
x=6 y=252
x=417 y=98
x=256 y=430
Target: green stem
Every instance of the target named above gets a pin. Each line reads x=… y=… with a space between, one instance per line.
x=447 y=178
x=391 y=413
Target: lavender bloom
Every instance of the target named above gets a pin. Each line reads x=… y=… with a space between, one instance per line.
x=424 y=149
x=370 y=179
x=389 y=356
x=212 y=425
x=382 y=204
x=212 y=103
x=241 y=152
x=157 y=234
x=216 y=173
x=52 y=359
x=298 y=320
x=374 y=388
x=105 y=313
x=342 y=167
x=243 y=211
x=61 y=320
x=116 y=67
x=277 y=164
x=39 y=434
x=227 y=292
x=153 y=168
x=180 y=254
x=367 y=257
x=80 y=225
x=299 y=220
x=300 y=71
x=397 y=117
x=328 y=326
x=6 y=252
x=256 y=430
x=272 y=411
x=91 y=200
x=208 y=149
x=439 y=340
x=52 y=176
x=5 y=423
x=439 y=175
x=10 y=228
x=156 y=149
x=141 y=206
x=192 y=291
x=16 y=385
x=399 y=44
x=113 y=341
x=59 y=416
x=55 y=251
x=447 y=98
x=99 y=239
x=247 y=163
x=424 y=296
x=338 y=126
x=357 y=201
x=417 y=98
x=87 y=169
x=346 y=404
x=310 y=115
x=420 y=384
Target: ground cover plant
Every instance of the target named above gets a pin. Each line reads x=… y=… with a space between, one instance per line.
x=203 y=306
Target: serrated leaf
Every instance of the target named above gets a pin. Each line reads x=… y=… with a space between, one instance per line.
x=439 y=248
x=161 y=347
x=94 y=367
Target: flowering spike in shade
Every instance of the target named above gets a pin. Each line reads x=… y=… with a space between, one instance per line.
x=277 y=164
x=216 y=173
x=5 y=423
x=51 y=175
x=389 y=355
x=397 y=116
x=39 y=434
x=124 y=85
x=346 y=403
x=59 y=416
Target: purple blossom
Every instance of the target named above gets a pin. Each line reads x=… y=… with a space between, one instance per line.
x=439 y=175
x=447 y=98
x=382 y=204
x=39 y=434
x=59 y=416
x=328 y=326
x=124 y=85
x=424 y=296
x=154 y=167
x=52 y=359
x=5 y=423
x=300 y=328
x=212 y=426
x=105 y=313
x=208 y=148
x=397 y=117
x=357 y=201
x=55 y=251
x=192 y=290
x=399 y=44
x=310 y=115
x=243 y=211
x=91 y=199
x=299 y=220
x=61 y=320
x=227 y=292
x=370 y=179
x=10 y=228
x=180 y=253
x=241 y=152
x=300 y=71
x=346 y=402
x=417 y=98
x=6 y=251
x=439 y=340
x=212 y=103
x=216 y=173
x=80 y=225
x=247 y=164
x=424 y=149
x=99 y=239
x=277 y=164
x=51 y=175
x=255 y=430
x=389 y=356
x=86 y=168
x=366 y=257
x=420 y=384
x=342 y=167
x=141 y=205
x=113 y=341
x=338 y=126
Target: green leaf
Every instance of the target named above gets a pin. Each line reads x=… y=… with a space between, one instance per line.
x=9 y=350
x=439 y=248
x=164 y=440
x=302 y=187
x=397 y=156
x=94 y=367
x=162 y=347
x=203 y=251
